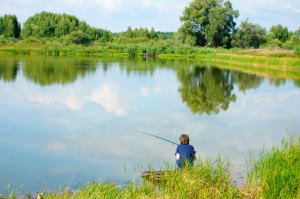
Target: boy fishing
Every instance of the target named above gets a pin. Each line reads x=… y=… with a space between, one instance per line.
x=185 y=152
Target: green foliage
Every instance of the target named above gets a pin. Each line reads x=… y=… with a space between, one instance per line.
x=297 y=50
x=47 y=24
x=78 y=37
x=276 y=173
x=249 y=35
x=279 y=32
x=295 y=40
x=139 y=32
x=165 y=35
x=208 y=22
x=9 y=26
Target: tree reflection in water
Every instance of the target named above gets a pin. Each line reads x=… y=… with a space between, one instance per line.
x=206 y=90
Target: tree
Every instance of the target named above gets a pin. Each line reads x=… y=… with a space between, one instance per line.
x=47 y=24
x=9 y=26
x=208 y=22
x=139 y=32
x=153 y=34
x=279 y=32
x=295 y=38
x=249 y=35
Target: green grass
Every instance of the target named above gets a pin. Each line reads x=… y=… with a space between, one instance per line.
x=273 y=175
x=277 y=172
x=163 y=49
x=206 y=179
x=258 y=61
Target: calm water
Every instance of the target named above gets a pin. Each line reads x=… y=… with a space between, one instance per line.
x=67 y=120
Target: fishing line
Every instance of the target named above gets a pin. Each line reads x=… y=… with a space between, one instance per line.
x=152 y=135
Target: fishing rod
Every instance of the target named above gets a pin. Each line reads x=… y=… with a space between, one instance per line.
x=161 y=138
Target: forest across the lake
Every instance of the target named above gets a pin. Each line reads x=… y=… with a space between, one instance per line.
x=207 y=27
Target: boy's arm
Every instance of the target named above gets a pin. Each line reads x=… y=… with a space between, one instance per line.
x=194 y=155
x=177 y=155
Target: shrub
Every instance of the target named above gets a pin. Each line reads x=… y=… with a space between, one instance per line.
x=78 y=37
x=297 y=50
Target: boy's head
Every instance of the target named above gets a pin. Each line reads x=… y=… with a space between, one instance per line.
x=184 y=139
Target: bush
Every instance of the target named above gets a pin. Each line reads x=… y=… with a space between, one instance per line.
x=274 y=43
x=78 y=37
x=297 y=50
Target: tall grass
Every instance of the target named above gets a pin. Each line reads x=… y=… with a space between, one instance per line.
x=8 y=193
x=274 y=175
x=277 y=172
x=206 y=179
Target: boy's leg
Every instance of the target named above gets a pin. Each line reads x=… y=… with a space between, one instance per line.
x=178 y=163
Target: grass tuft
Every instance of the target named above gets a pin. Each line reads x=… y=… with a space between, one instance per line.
x=277 y=172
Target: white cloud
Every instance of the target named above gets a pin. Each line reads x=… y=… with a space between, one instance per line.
x=67 y=98
x=144 y=92
x=109 y=97
x=110 y=5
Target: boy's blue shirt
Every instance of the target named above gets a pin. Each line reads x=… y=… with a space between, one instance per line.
x=186 y=152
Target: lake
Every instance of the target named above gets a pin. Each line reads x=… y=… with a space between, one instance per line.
x=65 y=121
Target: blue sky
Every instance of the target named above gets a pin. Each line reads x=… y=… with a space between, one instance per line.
x=117 y=15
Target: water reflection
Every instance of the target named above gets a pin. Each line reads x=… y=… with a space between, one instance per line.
x=246 y=81
x=8 y=69
x=79 y=115
x=52 y=70
x=203 y=89
x=206 y=90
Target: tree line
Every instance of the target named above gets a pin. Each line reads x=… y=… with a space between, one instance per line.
x=210 y=23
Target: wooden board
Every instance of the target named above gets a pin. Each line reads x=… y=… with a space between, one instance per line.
x=156 y=177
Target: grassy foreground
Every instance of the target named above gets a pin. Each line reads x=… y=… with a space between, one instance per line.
x=274 y=175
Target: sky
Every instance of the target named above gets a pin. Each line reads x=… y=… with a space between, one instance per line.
x=163 y=15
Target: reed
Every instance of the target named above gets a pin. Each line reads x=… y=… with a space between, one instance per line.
x=277 y=172
x=205 y=179
x=274 y=174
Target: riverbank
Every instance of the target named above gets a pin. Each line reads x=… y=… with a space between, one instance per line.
x=234 y=58
x=275 y=174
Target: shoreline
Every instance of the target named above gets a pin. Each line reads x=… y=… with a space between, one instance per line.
x=274 y=174
x=271 y=65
